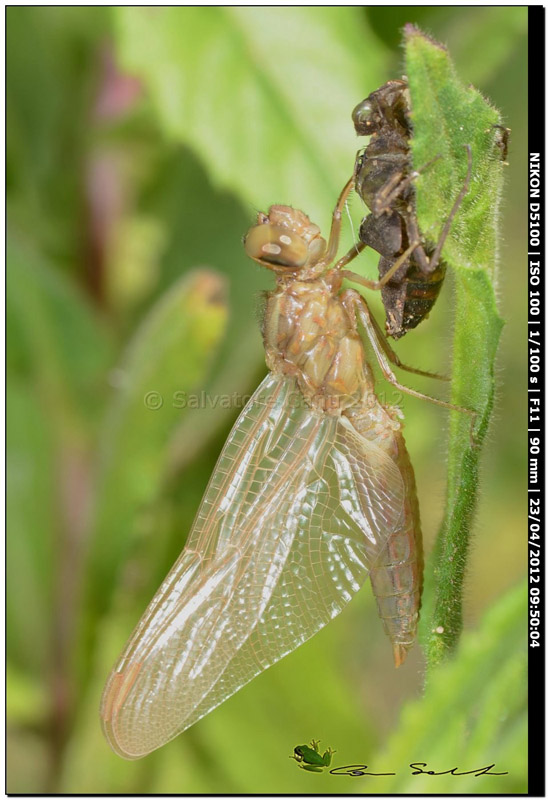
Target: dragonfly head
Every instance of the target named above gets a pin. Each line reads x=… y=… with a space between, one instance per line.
x=285 y=240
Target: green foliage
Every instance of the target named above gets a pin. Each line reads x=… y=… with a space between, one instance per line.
x=461 y=719
x=51 y=55
x=56 y=338
x=58 y=352
x=488 y=45
x=477 y=330
x=279 y=68
x=168 y=357
x=31 y=521
x=447 y=117
x=140 y=143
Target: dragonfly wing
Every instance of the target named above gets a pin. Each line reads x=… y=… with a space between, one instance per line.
x=344 y=515
x=296 y=512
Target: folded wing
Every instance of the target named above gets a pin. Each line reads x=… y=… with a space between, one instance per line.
x=297 y=511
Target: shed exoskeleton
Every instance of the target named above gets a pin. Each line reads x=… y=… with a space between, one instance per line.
x=384 y=176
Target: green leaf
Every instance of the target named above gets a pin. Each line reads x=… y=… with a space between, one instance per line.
x=55 y=338
x=471 y=710
x=32 y=528
x=27 y=754
x=27 y=700
x=484 y=38
x=52 y=55
x=446 y=117
x=182 y=197
x=169 y=356
x=272 y=122
x=58 y=351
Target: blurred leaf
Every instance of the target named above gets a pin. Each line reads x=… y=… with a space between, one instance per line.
x=134 y=260
x=169 y=356
x=203 y=225
x=481 y=39
x=388 y=21
x=58 y=352
x=55 y=338
x=465 y=720
x=27 y=703
x=49 y=88
x=446 y=117
x=484 y=39
x=28 y=764
x=31 y=522
x=274 y=122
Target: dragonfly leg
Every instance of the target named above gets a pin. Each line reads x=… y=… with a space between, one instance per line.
x=394 y=358
x=335 y=233
x=354 y=251
x=365 y=317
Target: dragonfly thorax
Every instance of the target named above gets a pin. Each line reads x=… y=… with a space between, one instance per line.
x=308 y=333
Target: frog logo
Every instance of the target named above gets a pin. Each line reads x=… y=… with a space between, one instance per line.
x=310 y=759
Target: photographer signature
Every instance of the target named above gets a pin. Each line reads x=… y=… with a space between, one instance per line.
x=418 y=768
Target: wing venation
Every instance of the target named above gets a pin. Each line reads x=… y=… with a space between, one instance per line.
x=297 y=510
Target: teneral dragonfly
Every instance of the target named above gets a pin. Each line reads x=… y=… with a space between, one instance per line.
x=313 y=492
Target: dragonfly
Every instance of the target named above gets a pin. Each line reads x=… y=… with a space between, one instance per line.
x=384 y=181
x=312 y=493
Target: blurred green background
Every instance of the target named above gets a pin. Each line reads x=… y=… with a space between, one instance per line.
x=141 y=143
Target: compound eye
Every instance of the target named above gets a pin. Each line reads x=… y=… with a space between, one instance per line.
x=274 y=244
x=363 y=118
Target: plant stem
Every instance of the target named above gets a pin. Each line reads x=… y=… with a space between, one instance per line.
x=477 y=332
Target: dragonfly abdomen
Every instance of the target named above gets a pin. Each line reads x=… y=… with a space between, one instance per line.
x=397 y=577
